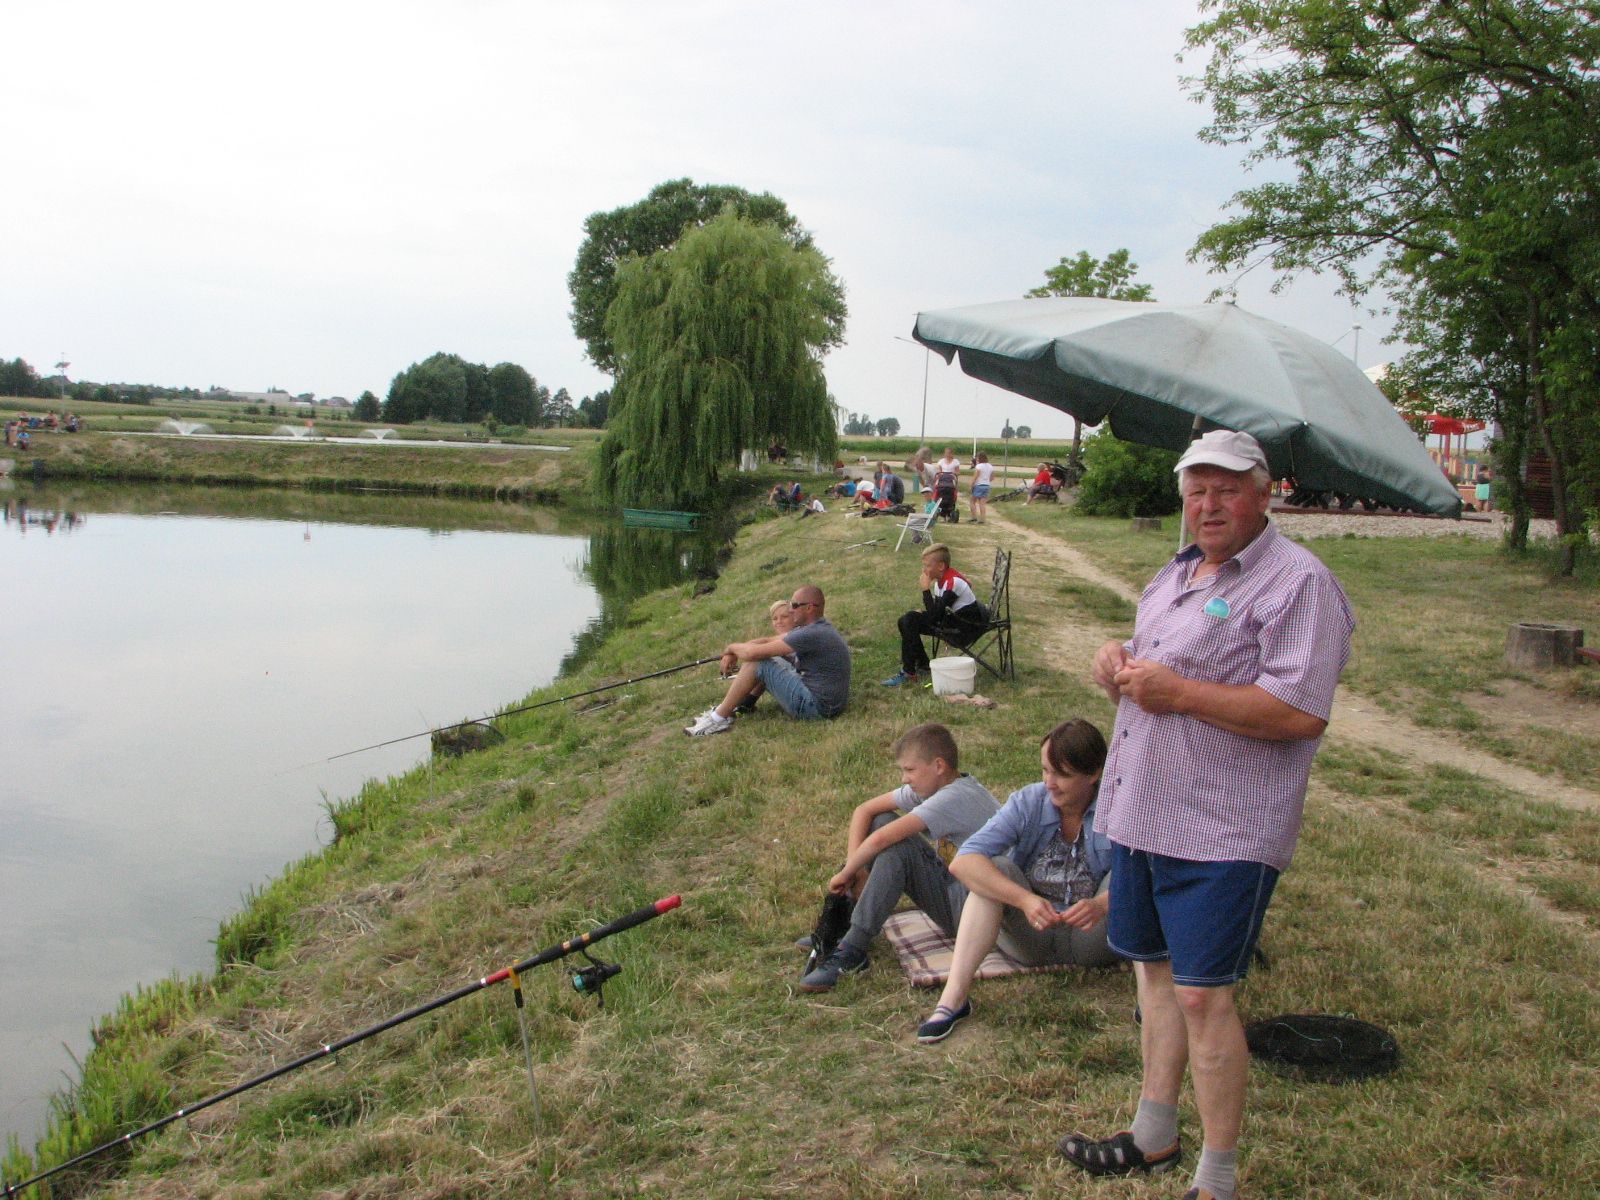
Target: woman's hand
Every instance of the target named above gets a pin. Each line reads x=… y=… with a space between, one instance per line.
x=1040 y=912
x=1086 y=914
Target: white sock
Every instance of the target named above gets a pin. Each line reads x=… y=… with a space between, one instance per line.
x=1218 y=1172
x=1155 y=1126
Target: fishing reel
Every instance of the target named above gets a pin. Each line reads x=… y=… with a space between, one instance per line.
x=591 y=980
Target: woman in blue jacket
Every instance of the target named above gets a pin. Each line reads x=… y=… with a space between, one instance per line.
x=1038 y=873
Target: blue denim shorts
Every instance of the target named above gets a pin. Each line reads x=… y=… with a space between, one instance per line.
x=1203 y=916
x=784 y=685
x=980 y=491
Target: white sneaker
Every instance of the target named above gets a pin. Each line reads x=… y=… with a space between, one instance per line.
x=709 y=722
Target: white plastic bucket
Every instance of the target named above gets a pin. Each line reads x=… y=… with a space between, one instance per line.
x=954 y=676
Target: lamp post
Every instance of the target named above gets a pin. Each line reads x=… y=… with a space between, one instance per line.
x=922 y=435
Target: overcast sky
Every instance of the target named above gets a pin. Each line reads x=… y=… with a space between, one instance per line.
x=313 y=196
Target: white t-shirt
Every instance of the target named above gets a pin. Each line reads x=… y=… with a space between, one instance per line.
x=982 y=473
x=950 y=464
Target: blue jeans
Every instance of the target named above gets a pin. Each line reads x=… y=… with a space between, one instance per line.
x=783 y=684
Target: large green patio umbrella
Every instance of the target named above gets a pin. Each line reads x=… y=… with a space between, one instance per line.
x=1162 y=372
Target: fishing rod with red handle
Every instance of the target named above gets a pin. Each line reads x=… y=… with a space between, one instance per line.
x=637 y=917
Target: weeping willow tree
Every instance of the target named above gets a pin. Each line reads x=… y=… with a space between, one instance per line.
x=719 y=345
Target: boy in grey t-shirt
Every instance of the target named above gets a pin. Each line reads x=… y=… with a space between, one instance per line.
x=891 y=848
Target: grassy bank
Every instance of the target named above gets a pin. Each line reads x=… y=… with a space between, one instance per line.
x=477 y=472
x=1457 y=915
x=104 y=452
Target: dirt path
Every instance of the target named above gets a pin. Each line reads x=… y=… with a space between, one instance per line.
x=1355 y=718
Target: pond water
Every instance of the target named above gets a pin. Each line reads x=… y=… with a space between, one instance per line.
x=180 y=664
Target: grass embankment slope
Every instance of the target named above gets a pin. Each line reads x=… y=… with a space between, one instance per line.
x=1412 y=902
x=105 y=452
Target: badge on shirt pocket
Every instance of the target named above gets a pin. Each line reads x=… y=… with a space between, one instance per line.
x=1217 y=607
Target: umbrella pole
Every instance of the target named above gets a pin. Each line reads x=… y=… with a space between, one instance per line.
x=1183 y=516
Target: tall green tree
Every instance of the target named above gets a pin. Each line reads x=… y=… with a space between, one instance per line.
x=719 y=345
x=434 y=389
x=655 y=224
x=561 y=408
x=592 y=410
x=18 y=378
x=511 y=392
x=366 y=407
x=1110 y=278
x=1449 y=156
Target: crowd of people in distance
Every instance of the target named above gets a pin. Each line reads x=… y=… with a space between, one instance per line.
x=932 y=483
x=1161 y=846
x=20 y=430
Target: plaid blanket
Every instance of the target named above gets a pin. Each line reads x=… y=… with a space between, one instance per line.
x=925 y=952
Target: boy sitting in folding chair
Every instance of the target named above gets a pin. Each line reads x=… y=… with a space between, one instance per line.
x=950 y=608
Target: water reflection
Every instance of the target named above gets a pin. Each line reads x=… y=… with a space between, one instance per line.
x=624 y=564
x=17 y=514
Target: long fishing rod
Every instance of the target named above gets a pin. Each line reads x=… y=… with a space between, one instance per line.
x=637 y=917
x=699 y=662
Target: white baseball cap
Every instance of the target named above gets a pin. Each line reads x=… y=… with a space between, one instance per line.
x=1225 y=448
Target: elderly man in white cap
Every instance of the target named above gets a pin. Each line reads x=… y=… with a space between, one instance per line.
x=1222 y=695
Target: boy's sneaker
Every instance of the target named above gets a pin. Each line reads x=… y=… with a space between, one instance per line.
x=846 y=960
x=937 y=1027
x=709 y=722
x=903 y=678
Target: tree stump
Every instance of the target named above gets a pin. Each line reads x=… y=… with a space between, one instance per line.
x=1536 y=644
x=1143 y=524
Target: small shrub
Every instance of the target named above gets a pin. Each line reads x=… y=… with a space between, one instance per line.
x=1122 y=479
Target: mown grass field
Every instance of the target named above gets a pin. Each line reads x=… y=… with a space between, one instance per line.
x=1458 y=915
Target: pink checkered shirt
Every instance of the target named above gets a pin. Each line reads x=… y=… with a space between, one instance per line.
x=1272 y=616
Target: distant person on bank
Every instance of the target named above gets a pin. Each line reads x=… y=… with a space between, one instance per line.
x=890 y=848
x=806 y=670
x=1044 y=484
x=982 y=481
x=1222 y=696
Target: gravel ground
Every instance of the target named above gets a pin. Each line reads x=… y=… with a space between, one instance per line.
x=1328 y=524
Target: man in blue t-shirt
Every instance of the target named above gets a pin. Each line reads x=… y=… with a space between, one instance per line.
x=815 y=685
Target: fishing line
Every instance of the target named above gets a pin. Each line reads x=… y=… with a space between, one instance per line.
x=699 y=662
x=637 y=917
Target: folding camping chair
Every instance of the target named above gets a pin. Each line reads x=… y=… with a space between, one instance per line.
x=994 y=640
